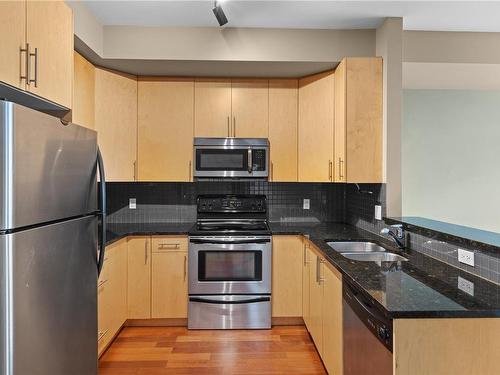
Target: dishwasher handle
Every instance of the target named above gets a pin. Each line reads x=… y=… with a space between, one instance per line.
x=369 y=314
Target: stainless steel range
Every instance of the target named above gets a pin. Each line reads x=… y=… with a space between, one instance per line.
x=230 y=257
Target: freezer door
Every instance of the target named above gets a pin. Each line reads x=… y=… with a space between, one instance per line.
x=47 y=169
x=48 y=301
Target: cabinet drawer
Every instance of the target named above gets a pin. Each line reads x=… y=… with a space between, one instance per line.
x=169 y=243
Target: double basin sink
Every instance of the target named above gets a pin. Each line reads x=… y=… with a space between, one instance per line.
x=365 y=251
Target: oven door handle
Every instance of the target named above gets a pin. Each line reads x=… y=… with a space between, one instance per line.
x=222 y=302
x=228 y=242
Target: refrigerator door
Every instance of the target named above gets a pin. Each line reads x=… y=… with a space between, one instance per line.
x=48 y=300
x=47 y=169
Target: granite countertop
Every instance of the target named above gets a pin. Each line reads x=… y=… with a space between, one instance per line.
x=422 y=287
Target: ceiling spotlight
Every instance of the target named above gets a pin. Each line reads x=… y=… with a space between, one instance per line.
x=219 y=14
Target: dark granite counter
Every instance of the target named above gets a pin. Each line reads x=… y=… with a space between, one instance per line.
x=422 y=287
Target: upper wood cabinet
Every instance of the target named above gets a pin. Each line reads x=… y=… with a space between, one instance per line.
x=316 y=127
x=250 y=108
x=283 y=103
x=358 y=120
x=165 y=129
x=287 y=283
x=44 y=30
x=212 y=108
x=116 y=123
x=139 y=278
x=83 y=92
x=13 y=32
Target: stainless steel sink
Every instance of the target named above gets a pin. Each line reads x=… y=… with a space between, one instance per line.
x=375 y=257
x=355 y=247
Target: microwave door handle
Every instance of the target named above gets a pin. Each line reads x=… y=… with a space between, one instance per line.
x=250 y=161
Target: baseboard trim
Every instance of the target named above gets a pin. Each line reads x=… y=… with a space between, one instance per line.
x=163 y=322
x=287 y=321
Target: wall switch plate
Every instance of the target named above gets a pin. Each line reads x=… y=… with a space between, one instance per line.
x=466 y=286
x=132 y=203
x=307 y=204
x=466 y=257
x=378 y=212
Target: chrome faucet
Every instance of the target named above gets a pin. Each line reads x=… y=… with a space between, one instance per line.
x=396 y=232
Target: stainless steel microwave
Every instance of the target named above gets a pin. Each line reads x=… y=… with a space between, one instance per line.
x=231 y=158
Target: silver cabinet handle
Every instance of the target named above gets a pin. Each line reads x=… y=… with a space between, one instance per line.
x=35 y=55
x=169 y=246
x=185 y=267
x=135 y=170
x=234 y=126
x=250 y=161
x=321 y=278
x=101 y=335
x=146 y=252
x=341 y=162
x=317 y=269
x=228 y=127
x=26 y=62
x=101 y=283
x=330 y=167
x=189 y=180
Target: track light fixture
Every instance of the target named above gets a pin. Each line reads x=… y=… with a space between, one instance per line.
x=219 y=13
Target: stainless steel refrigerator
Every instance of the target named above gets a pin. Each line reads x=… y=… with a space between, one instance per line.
x=49 y=256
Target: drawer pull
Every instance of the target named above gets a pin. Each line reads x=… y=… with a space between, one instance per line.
x=101 y=283
x=101 y=335
x=169 y=246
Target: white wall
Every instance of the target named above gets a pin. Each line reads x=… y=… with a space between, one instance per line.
x=450 y=156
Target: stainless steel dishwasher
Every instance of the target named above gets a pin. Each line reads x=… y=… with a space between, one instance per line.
x=367 y=335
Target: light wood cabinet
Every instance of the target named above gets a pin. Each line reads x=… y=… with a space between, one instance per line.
x=332 y=354
x=212 y=108
x=283 y=107
x=44 y=29
x=13 y=32
x=139 y=278
x=358 y=120
x=116 y=123
x=169 y=285
x=306 y=270
x=165 y=130
x=112 y=294
x=250 y=108
x=316 y=300
x=287 y=276
x=83 y=92
x=316 y=128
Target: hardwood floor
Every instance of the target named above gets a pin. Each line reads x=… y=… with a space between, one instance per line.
x=177 y=350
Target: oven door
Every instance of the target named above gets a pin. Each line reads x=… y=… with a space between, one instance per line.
x=230 y=161
x=230 y=265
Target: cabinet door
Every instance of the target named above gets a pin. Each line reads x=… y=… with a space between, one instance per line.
x=316 y=123
x=165 y=130
x=169 y=285
x=332 y=321
x=118 y=287
x=83 y=92
x=287 y=276
x=116 y=122
x=139 y=278
x=340 y=122
x=364 y=120
x=316 y=301
x=250 y=106
x=306 y=266
x=283 y=95
x=12 y=30
x=49 y=29
x=212 y=108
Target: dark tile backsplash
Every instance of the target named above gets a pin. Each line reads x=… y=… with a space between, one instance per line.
x=176 y=202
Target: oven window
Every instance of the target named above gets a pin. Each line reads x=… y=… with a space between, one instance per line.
x=214 y=265
x=216 y=160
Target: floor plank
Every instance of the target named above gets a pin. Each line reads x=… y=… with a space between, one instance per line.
x=177 y=350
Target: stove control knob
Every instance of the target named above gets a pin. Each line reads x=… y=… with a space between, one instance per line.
x=383 y=333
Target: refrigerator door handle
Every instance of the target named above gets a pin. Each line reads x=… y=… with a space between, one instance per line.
x=102 y=213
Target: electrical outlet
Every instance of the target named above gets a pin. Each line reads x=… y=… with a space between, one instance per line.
x=466 y=257
x=307 y=204
x=466 y=286
x=132 y=203
x=378 y=212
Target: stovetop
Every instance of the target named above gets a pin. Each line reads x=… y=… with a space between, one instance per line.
x=232 y=228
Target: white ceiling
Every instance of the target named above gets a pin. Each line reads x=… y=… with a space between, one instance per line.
x=417 y=15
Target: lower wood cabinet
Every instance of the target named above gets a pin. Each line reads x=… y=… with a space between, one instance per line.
x=306 y=265
x=169 y=281
x=112 y=294
x=287 y=276
x=139 y=278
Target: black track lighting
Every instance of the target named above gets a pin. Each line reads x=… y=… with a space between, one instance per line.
x=219 y=14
